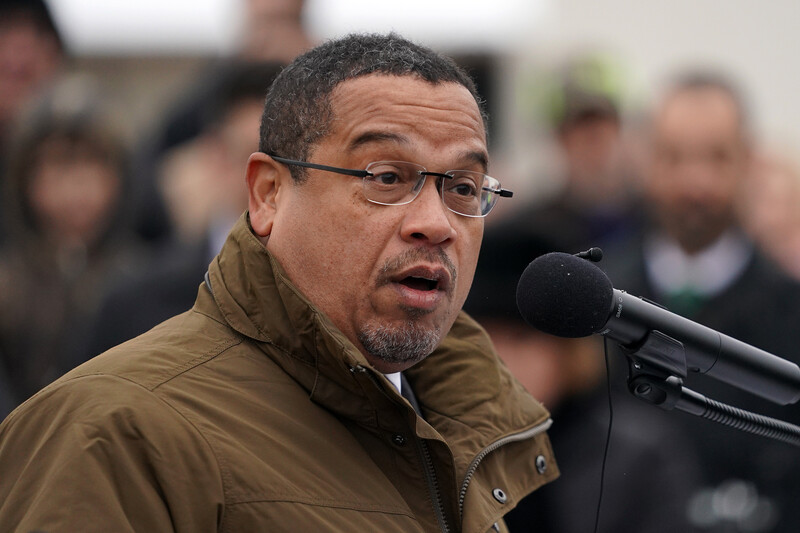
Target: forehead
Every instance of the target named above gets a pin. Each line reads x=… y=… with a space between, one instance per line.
x=708 y=111
x=384 y=109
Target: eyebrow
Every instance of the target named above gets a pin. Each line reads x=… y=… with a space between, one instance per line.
x=477 y=157
x=377 y=137
x=368 y=137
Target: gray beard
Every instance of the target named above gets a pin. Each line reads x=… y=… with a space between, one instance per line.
x=407 y=344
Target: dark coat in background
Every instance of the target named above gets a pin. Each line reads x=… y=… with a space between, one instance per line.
x=762 y=308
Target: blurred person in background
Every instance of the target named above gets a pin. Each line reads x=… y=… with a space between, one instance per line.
x=595 y=204
x=31 y=57
x=272 y=33
x=65 y=211
x=201 y=179
x=694 y=258
x=647 y=482
x=770 y=209
x=205 y=194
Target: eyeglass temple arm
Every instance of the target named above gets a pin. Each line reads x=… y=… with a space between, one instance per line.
x=501 y=192
x=505 y=193
x=338 y=170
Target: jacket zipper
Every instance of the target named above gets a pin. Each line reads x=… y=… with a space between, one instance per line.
x=433 y=485
x=430 y=472
x=473 y=466
x=427 y=463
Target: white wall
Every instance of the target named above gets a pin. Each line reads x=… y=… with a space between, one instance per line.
x=757 y=41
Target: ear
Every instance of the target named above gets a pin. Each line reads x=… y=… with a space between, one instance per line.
x=265 y=180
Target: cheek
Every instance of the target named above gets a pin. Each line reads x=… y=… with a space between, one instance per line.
x=468 y=257
x=659 y=189
x=43 y=195
x=327 y=247
x=341 y=228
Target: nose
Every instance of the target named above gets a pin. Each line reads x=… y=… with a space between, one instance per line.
x=697 y=180
x=427 y=219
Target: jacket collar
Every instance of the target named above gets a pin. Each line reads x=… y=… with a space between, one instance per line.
x=461 y=385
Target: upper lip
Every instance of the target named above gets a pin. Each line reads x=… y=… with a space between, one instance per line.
x=439 y=274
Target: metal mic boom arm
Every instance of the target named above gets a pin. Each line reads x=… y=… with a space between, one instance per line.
x=656 y=371
x=704 y=351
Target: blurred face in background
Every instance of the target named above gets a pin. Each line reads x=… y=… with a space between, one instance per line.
x=238 y=134
x=29 y=56
x=592 y=155
x=201 y=180
x=699 y=159
x=72 y=193
x=770 y=208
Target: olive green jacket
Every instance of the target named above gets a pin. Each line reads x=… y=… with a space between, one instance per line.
x=252 y=412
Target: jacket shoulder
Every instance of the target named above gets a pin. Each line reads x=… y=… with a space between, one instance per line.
x=104 y=443
x=175 y=346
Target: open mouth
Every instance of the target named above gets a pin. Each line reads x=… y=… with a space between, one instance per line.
x=424 y=278
x=420 y=283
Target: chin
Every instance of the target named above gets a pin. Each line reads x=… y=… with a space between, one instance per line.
x=399 y=344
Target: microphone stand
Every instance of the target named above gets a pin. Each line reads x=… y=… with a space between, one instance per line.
x=657 y=368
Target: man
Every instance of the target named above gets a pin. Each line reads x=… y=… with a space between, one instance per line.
x=275 y=403
x=596 y=203
x=695 y=259
x=32 y=55
x=272 y=32
x=64 y=204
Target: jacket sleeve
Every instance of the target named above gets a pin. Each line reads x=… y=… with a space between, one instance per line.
x=77 y=457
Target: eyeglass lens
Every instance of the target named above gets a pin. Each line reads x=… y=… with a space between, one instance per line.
x=397 y=182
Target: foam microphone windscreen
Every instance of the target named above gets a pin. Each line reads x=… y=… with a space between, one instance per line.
x=564 y=295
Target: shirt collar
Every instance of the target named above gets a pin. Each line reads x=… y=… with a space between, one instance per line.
x=394 y=378
x=707 y=272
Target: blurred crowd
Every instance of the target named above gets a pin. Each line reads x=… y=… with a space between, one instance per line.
x=102 y=239
x=694 y=214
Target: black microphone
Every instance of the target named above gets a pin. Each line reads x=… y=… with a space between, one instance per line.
x=568 y=296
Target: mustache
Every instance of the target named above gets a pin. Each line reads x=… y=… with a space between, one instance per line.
x=435 y=256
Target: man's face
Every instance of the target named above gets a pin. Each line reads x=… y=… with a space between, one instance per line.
x=698 y=162
x=368 y=266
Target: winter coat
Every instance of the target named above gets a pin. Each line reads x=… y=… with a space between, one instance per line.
x=252 y=412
